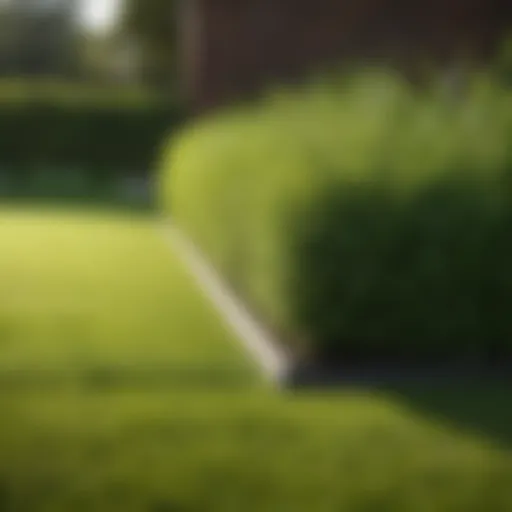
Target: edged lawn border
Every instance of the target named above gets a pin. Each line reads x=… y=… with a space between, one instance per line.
x=274 y=362
x=279 y=366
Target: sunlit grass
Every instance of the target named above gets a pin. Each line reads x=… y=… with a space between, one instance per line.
x=101 y=295
x=136 y=451
x=99 y=292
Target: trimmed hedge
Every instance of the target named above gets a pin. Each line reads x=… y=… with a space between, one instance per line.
x=364 y=220
x=59 y=126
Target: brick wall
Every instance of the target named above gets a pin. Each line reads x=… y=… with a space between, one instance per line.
x=232 y=48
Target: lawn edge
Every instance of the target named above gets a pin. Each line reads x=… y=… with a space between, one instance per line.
x=275 y=364
x=280 y=367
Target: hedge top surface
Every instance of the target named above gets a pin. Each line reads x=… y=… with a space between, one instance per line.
x=22 y=92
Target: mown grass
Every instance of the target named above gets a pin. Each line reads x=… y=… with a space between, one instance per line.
x=252 y=450
x=86 y=293
x=86 y=290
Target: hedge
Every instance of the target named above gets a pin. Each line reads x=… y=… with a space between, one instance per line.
x=363 y=221
x=59 y=126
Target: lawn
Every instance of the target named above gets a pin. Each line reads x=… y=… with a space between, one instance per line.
x=87 y=295
x=121 y=390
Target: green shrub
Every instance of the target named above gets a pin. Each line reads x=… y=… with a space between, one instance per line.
x=61 y=126
x=364 y=220
x=503 y=64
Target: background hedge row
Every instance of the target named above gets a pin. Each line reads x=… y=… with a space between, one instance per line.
x=65 y=128
x=363 y=220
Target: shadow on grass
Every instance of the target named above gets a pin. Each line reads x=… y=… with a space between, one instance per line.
x=5 y=497
x=70 y=203
x=121 y=192
x=476 y=399
x=105 y=378
x=480 y=407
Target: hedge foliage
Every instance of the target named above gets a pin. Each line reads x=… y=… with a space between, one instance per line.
x=363 y=219
x=62 y=126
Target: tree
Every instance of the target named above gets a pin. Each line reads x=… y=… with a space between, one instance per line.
x=40 y=38
x=4 y=39
x=152 y=24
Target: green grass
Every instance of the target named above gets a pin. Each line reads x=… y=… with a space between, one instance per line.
x=83 y=293
x=88 y=290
